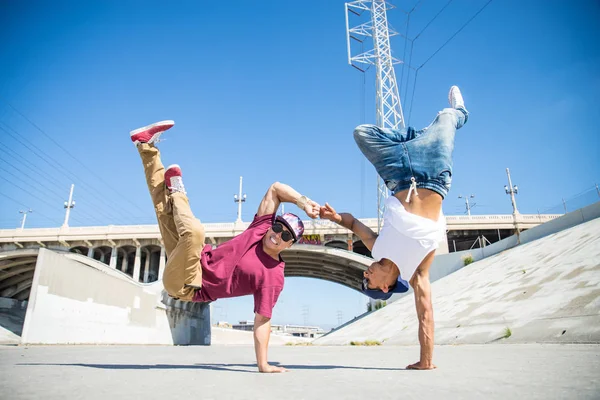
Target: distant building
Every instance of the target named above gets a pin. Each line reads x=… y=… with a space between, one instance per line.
x=291 y=330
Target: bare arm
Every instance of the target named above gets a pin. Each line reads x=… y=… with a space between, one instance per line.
x=262 y=333
x=281 y=193
x=422 y=287
x=364 y=233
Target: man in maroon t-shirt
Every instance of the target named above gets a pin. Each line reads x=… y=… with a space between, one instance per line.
x=247 y=264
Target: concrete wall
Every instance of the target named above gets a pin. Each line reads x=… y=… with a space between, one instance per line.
x=75 y=299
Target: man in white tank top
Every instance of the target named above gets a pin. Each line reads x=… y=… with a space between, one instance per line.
x=416 y=166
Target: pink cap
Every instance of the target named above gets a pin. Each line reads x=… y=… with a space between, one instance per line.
x=293 y=223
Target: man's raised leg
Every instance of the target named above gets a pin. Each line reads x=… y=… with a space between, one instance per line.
x=145 y=139
x=183 y=272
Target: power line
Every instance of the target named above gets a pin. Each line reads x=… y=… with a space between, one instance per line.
x=18 y=202
x=60 y=167
x=441 y=47
x=456 y=33
x=71 y=155
x=30 y=177
x=47 y=177
x=19 y=158
x=58 y=195
x=433 y=19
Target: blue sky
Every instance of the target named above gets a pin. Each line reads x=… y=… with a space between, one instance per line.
x=263 y=90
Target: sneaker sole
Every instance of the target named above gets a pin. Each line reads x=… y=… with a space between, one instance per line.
x=167 y=123
x=172 y=166
x=450 y=97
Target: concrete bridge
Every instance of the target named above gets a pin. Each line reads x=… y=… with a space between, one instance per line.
x=138 y=251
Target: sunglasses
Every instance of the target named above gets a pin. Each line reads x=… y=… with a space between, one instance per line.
x=286 y=236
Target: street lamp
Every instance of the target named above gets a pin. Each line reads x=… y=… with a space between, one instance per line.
x=24 y=216
x=239 y=199
x=512 y=190
x=467 y=202
x=68 y=205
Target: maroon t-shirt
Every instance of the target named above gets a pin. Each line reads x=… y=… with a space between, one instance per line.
x=241 y=267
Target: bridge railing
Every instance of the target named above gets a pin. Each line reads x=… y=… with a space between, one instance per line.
x=230 y=229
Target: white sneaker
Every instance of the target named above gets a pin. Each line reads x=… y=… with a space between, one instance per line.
x=455 y=98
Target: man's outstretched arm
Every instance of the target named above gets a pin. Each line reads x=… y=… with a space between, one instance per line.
x=422 y=287
x=281 y=193
x=262 y=333
x=347 y=220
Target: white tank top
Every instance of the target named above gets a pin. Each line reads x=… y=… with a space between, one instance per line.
x=407 y=238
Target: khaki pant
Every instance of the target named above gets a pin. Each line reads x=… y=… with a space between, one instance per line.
x=182 y=233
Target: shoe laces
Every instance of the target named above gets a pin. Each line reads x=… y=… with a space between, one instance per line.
x=155 y=139
x=177 y=185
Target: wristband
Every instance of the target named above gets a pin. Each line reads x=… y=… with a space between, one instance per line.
x=301 y=202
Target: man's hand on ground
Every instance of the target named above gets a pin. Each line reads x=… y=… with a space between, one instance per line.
x=418 y=365
x=269 y=369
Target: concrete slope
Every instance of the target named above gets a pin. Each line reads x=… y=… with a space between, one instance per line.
x=547 y=290
x=75 y=299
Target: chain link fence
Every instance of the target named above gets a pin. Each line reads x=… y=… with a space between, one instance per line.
x=580 y=200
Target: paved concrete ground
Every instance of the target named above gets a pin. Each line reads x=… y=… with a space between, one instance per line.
x=496 y=371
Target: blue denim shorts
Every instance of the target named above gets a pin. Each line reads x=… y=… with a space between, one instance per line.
x=401 y=154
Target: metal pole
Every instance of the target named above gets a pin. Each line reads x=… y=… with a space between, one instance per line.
x=467 y=205
x=239 y=198
x=512 y=193
x=564 y=205
x=597 y=190
x=24 y=217
x=468 y=208
x=239 y=202
x=68 y=205
x=512 y=190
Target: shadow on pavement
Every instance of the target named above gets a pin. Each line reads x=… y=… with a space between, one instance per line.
x=211 y=366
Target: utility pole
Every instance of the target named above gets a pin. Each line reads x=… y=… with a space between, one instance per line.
x=389 y=107
x=68 y=205
x=24 y=216
x=305 y=314
x=467 y=203
x=239 y=198
x=512 y=190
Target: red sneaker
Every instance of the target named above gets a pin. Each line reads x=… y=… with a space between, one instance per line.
x=173 y=179
x=150 y=133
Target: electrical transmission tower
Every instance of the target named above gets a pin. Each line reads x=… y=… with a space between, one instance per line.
x=389 y=107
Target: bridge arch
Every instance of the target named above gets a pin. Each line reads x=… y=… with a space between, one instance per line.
x=337 y=244
x=126 y=259
x=327 y=263
x=17 y=268
x=80 y=250
x=149 y=263
x=102 y=254
x=360 y=248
